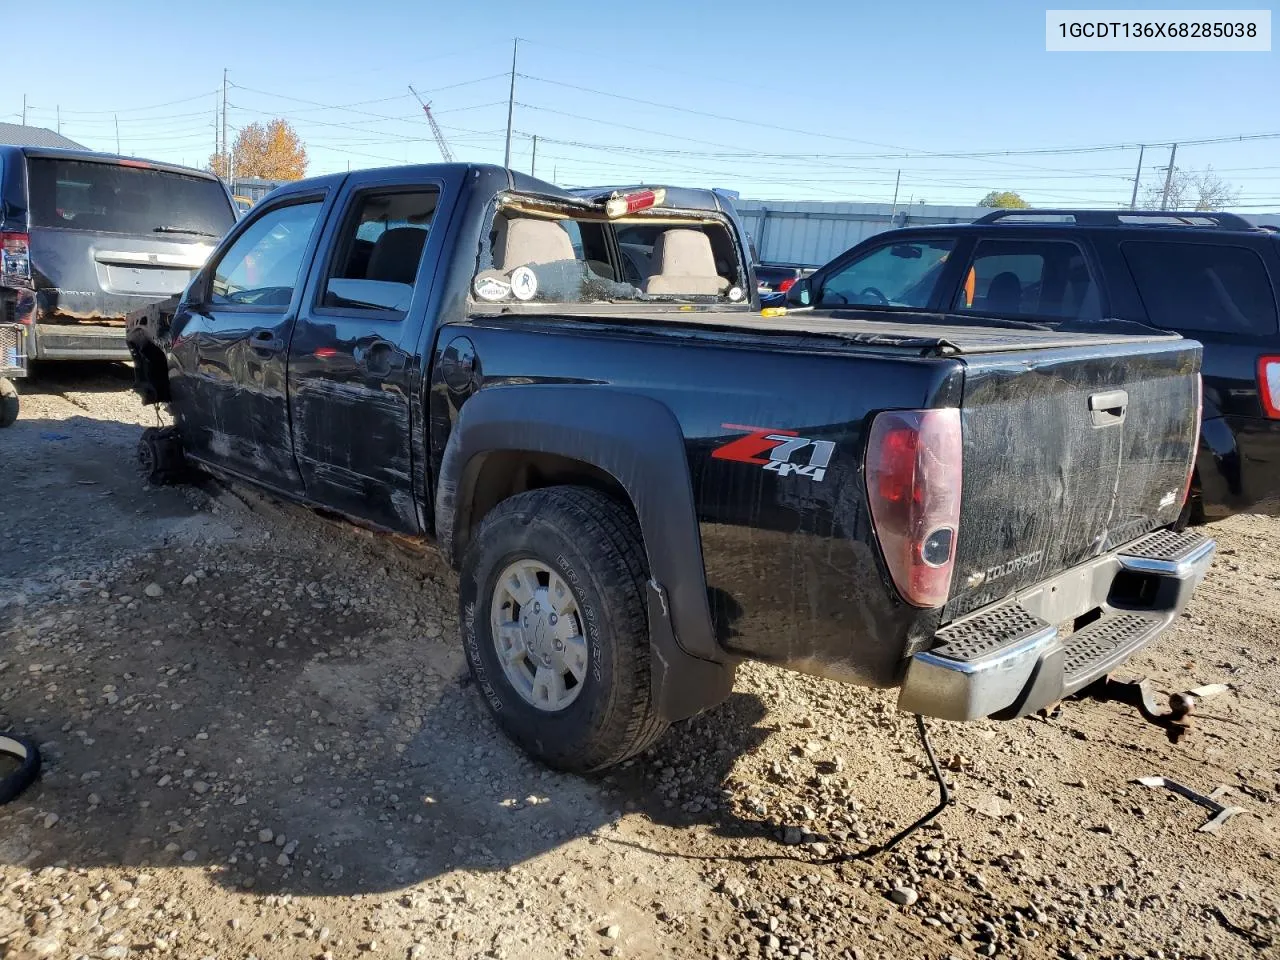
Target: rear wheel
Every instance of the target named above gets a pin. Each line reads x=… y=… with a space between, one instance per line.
x=555 y=627
x=9 y=403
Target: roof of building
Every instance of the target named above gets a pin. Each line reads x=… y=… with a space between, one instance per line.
x=22 y=136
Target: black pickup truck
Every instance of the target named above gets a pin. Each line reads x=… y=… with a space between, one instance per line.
x=642 y=480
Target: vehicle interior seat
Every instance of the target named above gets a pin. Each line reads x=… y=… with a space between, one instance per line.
x=396 y=255
x=520 y=241
x=1004 y=294
x=686 y=265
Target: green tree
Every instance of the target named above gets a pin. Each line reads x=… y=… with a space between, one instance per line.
x=1003 y=200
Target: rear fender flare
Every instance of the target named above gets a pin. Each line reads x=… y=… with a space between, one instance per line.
x=634 y=439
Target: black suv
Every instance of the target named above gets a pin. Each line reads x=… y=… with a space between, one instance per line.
x=1212 y=277
x=86 y=238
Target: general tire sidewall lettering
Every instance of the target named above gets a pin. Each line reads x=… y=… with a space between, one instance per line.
x=590 y=623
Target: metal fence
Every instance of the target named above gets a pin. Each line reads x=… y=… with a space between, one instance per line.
x=809 y=233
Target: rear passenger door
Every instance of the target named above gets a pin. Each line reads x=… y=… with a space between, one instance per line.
x=355 y=355
x=1030 y=279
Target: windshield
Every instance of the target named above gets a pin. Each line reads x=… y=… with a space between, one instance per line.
x=902 y=274
x=540 y=258
x=111 y=198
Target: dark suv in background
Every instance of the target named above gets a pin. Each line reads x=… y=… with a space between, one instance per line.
x=86 y=237
x=1212 y=277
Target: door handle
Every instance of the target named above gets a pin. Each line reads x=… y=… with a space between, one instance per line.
x=264 y=341
x=1108 y=408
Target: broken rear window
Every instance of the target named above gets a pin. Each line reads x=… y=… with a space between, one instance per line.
x=535 y=255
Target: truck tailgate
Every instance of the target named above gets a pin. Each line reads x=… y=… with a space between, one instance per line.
x=1068 y=453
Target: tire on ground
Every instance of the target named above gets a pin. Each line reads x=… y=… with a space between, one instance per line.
x=9 y=403
x=594 y=544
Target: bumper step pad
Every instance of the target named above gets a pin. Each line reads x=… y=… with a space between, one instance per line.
x=977 y=636
x=1103 y=644
x=1167 y=545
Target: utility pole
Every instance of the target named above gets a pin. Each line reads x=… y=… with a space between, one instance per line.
x=225 y=152
x=1168 y=178
x=24 y=109
x=511 y=102
x=533 y=164
x=117 y=117
x=59 y=109
x=1133 y=201
x=897 y=180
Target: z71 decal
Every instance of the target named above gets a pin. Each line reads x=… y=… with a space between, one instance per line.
x=773 y=450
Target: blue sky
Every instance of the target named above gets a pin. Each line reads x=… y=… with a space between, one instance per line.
x=822 y=100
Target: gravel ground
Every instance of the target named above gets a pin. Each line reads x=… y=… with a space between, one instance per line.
x=261 y=742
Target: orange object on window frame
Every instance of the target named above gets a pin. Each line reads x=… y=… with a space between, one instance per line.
x=970 y=286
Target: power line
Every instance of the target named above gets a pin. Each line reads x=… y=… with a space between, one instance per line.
x=966 y=154
x=397 y=137
x=154 y=106
x=366 y=113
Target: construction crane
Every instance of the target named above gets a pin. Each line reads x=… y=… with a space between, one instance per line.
x=435 y=129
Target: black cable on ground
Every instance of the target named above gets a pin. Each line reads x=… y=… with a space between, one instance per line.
x=28 y=754
x=944 y=800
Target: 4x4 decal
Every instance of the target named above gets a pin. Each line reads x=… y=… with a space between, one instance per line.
x=773 y=449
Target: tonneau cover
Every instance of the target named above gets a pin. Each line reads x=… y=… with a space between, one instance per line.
x=925 y=334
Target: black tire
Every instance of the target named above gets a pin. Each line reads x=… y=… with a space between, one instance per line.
x=594 y=542
x=9 y=403
x=160 y=456
x=25 y=751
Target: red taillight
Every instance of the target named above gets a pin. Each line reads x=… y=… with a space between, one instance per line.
x=15 y=257
x=1269 y=386
x=786 y=284
x=914 y=470
x=620 y=204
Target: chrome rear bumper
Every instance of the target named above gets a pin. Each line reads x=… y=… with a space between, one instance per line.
x=1011 y=659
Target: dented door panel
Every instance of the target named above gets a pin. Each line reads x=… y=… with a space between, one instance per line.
x=354 y=372
x=230 y=396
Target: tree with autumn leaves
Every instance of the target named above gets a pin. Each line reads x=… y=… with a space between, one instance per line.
x=271 y=152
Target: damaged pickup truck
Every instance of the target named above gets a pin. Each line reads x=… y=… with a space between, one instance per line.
x=642 y=480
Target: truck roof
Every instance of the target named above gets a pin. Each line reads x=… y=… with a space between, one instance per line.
x=685 y=198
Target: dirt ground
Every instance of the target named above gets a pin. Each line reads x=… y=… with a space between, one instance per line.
x=260 y=742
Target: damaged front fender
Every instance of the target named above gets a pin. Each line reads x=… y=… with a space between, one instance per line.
x=147 y=334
